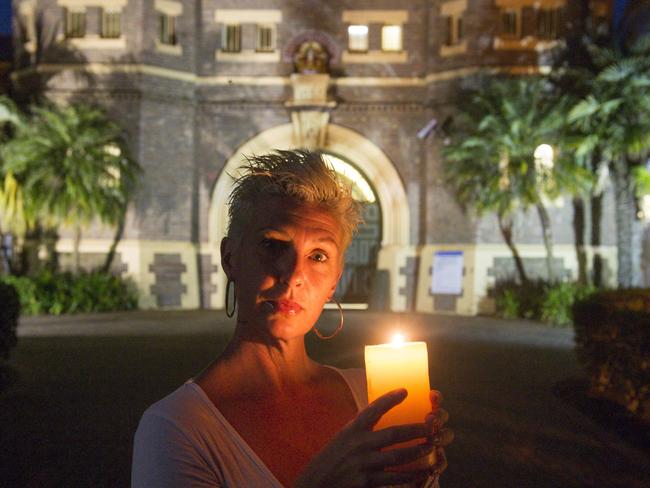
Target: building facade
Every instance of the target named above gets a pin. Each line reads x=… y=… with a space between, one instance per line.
x=197 y=84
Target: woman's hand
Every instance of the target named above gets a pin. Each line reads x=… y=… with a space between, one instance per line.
x=354 y=457
x=439 y=435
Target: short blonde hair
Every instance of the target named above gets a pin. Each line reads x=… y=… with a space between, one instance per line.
x=301 y=177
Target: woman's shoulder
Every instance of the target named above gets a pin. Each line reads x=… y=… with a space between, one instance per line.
x=182 y=406
x=356 y=380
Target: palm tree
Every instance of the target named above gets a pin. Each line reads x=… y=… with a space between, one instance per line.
x=491 y=159
x=613 y=120
x=72 y=166
x=15 y=218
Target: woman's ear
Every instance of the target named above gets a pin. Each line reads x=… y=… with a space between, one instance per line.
x=226 y=256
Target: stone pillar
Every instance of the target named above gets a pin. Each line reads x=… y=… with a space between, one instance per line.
x=310 y=110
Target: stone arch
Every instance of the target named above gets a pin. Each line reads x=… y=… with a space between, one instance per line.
x=376 y=166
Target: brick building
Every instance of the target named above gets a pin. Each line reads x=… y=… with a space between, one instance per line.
x=198 y=83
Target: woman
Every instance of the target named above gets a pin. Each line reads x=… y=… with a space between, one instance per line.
x=263 y=413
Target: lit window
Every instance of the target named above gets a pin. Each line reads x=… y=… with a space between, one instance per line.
x=167 y=29
x=358 y=38
x=548 y=23
x=391 y=38
x=231 y=38
x=111 y=24
x=509 y=23
x=265 y=38
x=75 y=24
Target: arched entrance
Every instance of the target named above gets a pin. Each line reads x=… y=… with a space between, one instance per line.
x=391 y=212
x=361 y=257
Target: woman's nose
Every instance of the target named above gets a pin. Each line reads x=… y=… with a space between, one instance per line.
x=292 y=271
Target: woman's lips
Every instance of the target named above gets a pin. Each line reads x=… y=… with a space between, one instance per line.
x=283 y=306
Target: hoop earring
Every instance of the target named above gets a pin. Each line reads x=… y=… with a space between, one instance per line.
x=234 y=302
x=338 y=329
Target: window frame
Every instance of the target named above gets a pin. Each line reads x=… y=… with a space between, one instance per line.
x=231 y=37
x=259 y=45
x=515 y=33
x=110 y=24
x=366 y=37
x=401 y=38
x=167 y=29
x=71 y=26
x=547 y=23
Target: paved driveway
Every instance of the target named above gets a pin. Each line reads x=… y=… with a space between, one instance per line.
x=83 y=382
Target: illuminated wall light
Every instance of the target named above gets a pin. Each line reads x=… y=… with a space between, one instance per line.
x=544 y=156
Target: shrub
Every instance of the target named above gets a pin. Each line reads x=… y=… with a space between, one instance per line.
x=613 y=344
x=558 y=302
x=9 y=312
x=58 y=293
x=519 y=300
x=539 y=300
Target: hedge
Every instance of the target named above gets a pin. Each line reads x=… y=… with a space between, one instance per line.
x=9 y=312
x=613 y=344
x=539 y=300
x=59 y=293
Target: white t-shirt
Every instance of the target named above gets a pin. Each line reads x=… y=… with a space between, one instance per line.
x=183 y=441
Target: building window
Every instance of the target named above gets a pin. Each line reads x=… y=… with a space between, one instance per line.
x=548 y=23
x=111 y=25
x=391 y=38
x=167 y=29
x=509 y=24
x=231 y=38
x=75 y=24
x=358 y=38
x=454 y=30
x=265 y=38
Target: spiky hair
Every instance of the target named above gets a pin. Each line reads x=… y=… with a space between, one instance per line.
x=300 y=177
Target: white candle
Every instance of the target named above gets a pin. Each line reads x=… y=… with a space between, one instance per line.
x=399 y=365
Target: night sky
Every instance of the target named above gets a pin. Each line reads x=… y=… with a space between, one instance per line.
x=5 y=17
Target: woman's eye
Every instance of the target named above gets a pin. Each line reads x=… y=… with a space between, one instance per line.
x=271 y=245
x=320 y=257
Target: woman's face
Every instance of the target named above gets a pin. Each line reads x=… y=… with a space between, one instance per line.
x=285 y=269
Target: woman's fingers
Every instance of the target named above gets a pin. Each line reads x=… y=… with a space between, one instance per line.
x=398 y=433
x=373 y=412
x=441 y=461
x=396 y=457
x=437 y=419
x=436 y=399
x=443 y=438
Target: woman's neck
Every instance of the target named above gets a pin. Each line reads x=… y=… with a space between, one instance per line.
x=257 y=368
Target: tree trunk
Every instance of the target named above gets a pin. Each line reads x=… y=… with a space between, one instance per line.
x=579 y=238
x=76 y=266
x=596 y=218
x=29 y=262
x=505 y=225
x=50 y=238
x=628 y=227
x=119 y=232
x=547 y=236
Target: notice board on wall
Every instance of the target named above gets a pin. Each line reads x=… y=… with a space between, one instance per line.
x=447 y=273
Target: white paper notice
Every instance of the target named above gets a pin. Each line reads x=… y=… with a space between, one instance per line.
x=447 y=278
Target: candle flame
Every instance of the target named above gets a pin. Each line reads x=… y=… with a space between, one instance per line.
x=398 y=339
